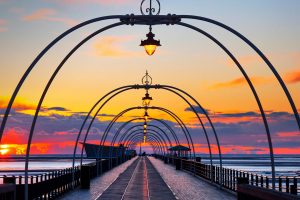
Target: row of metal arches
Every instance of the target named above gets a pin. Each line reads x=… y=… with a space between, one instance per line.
x=150 y=20
x=172 y=114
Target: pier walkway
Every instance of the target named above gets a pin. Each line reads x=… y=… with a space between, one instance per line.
x=148 y=178
x=140 y=181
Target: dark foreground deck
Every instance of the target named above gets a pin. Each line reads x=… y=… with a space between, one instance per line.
x=139 y=181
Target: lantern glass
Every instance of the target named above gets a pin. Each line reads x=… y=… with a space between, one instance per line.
x=150 y=49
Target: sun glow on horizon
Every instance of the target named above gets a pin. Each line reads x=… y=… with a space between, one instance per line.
x=4 y=149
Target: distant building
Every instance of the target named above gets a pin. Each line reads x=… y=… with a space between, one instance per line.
x=107 y=151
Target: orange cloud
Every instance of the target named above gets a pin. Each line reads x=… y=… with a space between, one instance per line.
x=110 y=46
x=48 y=15
x=292 y=77
x=240 y=81
x=19 y=104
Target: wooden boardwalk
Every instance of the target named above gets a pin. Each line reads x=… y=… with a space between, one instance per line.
x=139 y=181
x=148 y=178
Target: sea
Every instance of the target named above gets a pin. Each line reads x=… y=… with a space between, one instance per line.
x=286 y=165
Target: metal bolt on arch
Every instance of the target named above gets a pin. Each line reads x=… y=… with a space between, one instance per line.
x=150 y=16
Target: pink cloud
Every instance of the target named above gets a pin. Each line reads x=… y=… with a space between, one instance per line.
x=111 y=46
x=2 y=25
x=40 y=14
x=104 y=2
x=48 y=15
x=288 y=134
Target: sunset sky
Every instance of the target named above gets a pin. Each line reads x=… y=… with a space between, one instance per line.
x=186 y=60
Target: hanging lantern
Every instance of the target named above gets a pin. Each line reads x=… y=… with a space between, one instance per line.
x=147 y=99
x=150 y=43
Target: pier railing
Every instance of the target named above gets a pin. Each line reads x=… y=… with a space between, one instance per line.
x=229 y=179
x=53 y=184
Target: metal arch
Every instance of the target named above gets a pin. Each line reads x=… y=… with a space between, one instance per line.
x=141 y=130
x=157 y=141
x=133 y=145
x=123 y=138
x=103 y=139
x=177 y=119
x=46 y=90
x=252 y=89
x=135 y=87
x=160 y=22
x=125 y=19
x=149 y=135
x=116 y=118
x=259 y=52
x=82 y=43
x=124 y=88
x=132 y=134
x=138 y=138
x=37 y=59
x=132 y=87
x=136 y=126
x=166 y=125
x=123 y=125
x=294 y=112
x=135 y=119
x=155 y=147
x=93 y=119
x=208 y=118
x=129 y=131
x=161 y=141
x=124 y=134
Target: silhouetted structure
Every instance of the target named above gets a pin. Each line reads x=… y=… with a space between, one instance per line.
x=179 y=151
x=107 y=151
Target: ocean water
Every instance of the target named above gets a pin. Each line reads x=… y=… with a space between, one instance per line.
x=38 y=164
x=287 y=165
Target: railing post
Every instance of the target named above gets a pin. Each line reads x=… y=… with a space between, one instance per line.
x=11 y=183
x=85 y=177
x=280 y=184
x=267 y=182
x=293 y=189
x=240 y=181
x=165 y=159
x=178 y=163
x=287 y=185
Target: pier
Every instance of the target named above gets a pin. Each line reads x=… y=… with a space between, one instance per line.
x=83 y=130
x=150 y=178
